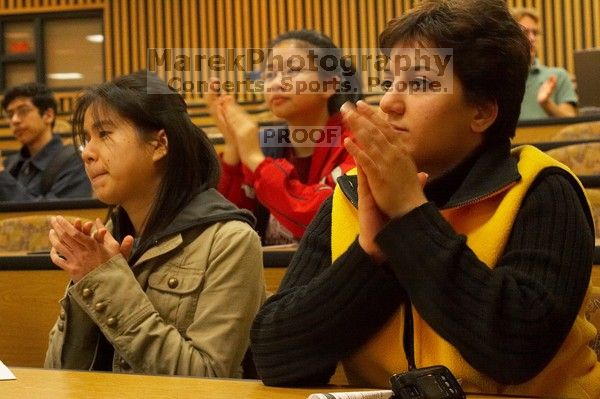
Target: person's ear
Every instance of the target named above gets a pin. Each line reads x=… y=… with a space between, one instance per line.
x=48 y=116
x=485 y=115
x=161 y=145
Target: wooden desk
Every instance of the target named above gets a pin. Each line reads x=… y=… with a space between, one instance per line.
x=275 y=260
x=542 y=130
x=60 y=384
x=28 y=309
x=30 y=288
x=87 y=208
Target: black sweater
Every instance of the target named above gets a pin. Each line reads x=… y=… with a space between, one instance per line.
x=507 y=322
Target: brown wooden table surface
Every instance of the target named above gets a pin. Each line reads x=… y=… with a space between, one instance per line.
x=60 y=384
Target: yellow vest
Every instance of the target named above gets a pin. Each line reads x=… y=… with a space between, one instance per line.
x=574 y=372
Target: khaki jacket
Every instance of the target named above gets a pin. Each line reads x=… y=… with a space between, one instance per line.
x=185 y=307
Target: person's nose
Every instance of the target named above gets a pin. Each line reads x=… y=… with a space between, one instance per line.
x=14 y=119
x=275 y=84
x=393 y=102
x=88 y=152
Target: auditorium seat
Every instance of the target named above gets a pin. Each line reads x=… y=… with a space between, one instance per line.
x=593 y=195
x=26 y=233
x=579 y=131
x=583 y=159
x=593 y=315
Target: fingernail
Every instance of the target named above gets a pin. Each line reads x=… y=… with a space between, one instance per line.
x=346 y=107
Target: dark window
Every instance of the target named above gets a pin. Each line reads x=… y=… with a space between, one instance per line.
x=64 y=51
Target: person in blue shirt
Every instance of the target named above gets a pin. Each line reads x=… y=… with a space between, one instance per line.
x=43 y=169
x=549 y=92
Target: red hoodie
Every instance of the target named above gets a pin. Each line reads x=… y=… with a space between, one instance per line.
x=277 y=186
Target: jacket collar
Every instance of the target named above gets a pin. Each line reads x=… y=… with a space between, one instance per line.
x=42 y=159
x=206 y=208
x=488 y=170
x=535 y=67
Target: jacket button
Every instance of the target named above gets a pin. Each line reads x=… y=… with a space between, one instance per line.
x=124 y=365
x=111 y=322
x=62 y=315
x=173 y=282
x=61 y=326
x=86 y=293
x=100 y=306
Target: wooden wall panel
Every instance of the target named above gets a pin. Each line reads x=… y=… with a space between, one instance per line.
x=133 y=26
x=214 y=24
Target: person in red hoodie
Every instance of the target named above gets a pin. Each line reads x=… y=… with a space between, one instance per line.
x=284 y=173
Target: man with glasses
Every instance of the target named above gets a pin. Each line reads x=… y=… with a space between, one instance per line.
x=43 y=168
x=549 y=91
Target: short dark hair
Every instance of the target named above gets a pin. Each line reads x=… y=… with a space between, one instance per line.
x=521 y=12
x=491 y=52
x=41 y=96
x=351 y=81
x=147 y=102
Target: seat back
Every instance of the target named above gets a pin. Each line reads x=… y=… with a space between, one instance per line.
x=593 y=195
x=592 y=313
x=26 y=233
x=582 y=159
x=579 y=131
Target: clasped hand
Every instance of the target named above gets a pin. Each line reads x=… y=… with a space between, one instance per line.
x=79 y=248
x=388 y=183
x=239 y=131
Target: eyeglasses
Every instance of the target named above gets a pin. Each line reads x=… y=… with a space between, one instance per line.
x=21 y=112
x=270 y=75
x=532 y=32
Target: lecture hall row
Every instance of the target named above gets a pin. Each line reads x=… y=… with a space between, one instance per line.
x=31 y=283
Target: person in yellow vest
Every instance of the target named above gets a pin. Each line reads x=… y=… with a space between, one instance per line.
x=492 y=246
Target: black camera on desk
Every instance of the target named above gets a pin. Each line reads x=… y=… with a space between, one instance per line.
x=435 y=382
